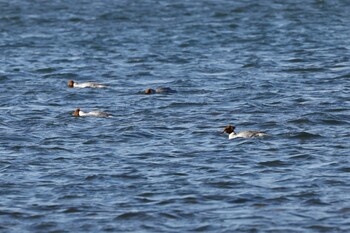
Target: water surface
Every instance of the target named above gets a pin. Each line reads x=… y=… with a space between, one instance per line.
x=161 y=163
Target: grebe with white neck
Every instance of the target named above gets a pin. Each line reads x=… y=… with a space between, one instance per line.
x=72 y=84
x=243 y=134
x=79 y=113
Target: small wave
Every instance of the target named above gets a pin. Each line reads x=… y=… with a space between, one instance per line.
x=224 y=184
x=300 y=121
x=344 y=169
x=56 y=148
x=117 y=16
x=137 y=60
x=167 y=215
x=319 y=228
x=233 y=25
x=296 y=60
x=3 y=77
x=75 y=19
x=46 y=70
x=302 y=157
x=71 y=210
x=64 y=75
x=13 y=18
x=334 y=122
x=202 y=228
x=15 y=214
x=133 y=215
x=220 y=14
x=93 y=177
x=273 y=163
x=188 y=43
x=60 y=158
x=305 y=135
x=250 y=65
x=184 y=105
x=71 y=196
x=44 y=226
x=303 y=70
x=345 y=76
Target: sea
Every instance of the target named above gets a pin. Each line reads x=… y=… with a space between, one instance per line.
x=162 y=162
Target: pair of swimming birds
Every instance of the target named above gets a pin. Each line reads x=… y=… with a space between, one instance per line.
x=148 y=91
x=78 y=112
x=228 y=129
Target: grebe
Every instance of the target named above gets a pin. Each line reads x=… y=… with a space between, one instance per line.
x=79 y=113
x=160 y=90
x=243 y=134
x=72 y=84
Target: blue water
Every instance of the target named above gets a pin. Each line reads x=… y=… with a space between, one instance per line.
x=161 y=163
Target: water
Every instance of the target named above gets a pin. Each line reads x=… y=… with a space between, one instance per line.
x=160 y=164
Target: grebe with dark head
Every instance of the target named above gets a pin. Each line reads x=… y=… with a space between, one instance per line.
x=243 y=134
x=159 y=90
x=79 y=113
x=72 y=84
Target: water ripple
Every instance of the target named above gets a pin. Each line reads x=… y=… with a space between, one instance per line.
x=161 y=163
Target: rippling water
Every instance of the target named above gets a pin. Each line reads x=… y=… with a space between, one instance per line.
x=161 y=163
